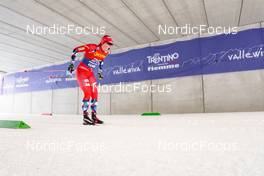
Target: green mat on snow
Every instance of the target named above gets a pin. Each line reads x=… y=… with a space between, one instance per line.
x=13 y=124
x=150 y=114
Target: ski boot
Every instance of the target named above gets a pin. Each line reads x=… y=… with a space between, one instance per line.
x=95 y=119
x=87 y=120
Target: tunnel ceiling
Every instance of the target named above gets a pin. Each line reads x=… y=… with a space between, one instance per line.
x=129 y=22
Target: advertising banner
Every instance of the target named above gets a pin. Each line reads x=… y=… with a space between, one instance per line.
x=208 y=55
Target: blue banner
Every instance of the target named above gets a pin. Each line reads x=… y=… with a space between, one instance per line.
x=217 y=54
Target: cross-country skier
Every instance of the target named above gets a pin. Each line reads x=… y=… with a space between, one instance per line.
x=93 y=55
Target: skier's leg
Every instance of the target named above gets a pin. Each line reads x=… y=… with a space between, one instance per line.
x=83 y=81
x=94 y=100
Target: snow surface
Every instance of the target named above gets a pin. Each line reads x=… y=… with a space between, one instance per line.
x=224 y=144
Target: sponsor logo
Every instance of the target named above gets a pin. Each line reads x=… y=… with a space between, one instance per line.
x=92 y=63
x=133 y=67
x=163 y=62
x=247 y=54
x=157 y=58
x=99 y=55
x=82 y=49
x=8 y=86
x=22 y=82
x=70 y=79
x=124 y=70
x=53 y=80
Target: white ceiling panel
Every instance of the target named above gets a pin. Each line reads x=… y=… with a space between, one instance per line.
x=11 y=58
x=60 y=10
x=188 y=11
x=27 y=53
x=153 y=13
x=131 y=23
x=28 y=13
x=32 y=39
x=6 y=40
x=223 y=12
x=85 y=17
x=118 y=14
x=11 y=68
x=252 y=12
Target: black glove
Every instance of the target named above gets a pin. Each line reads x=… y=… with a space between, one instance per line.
x=71 y=68
x=73 y=56
x=100 y=75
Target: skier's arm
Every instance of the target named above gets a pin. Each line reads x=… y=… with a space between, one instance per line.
x=78 y=50
x=100 y=70
x=73 y=56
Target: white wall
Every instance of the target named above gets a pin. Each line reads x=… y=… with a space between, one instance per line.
x=41 y=102
x=65 y=101
x=6 y=103
x=22 y=103
x=239 y=91
x=186 y=95
x=130 y=101
x=225 y=92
